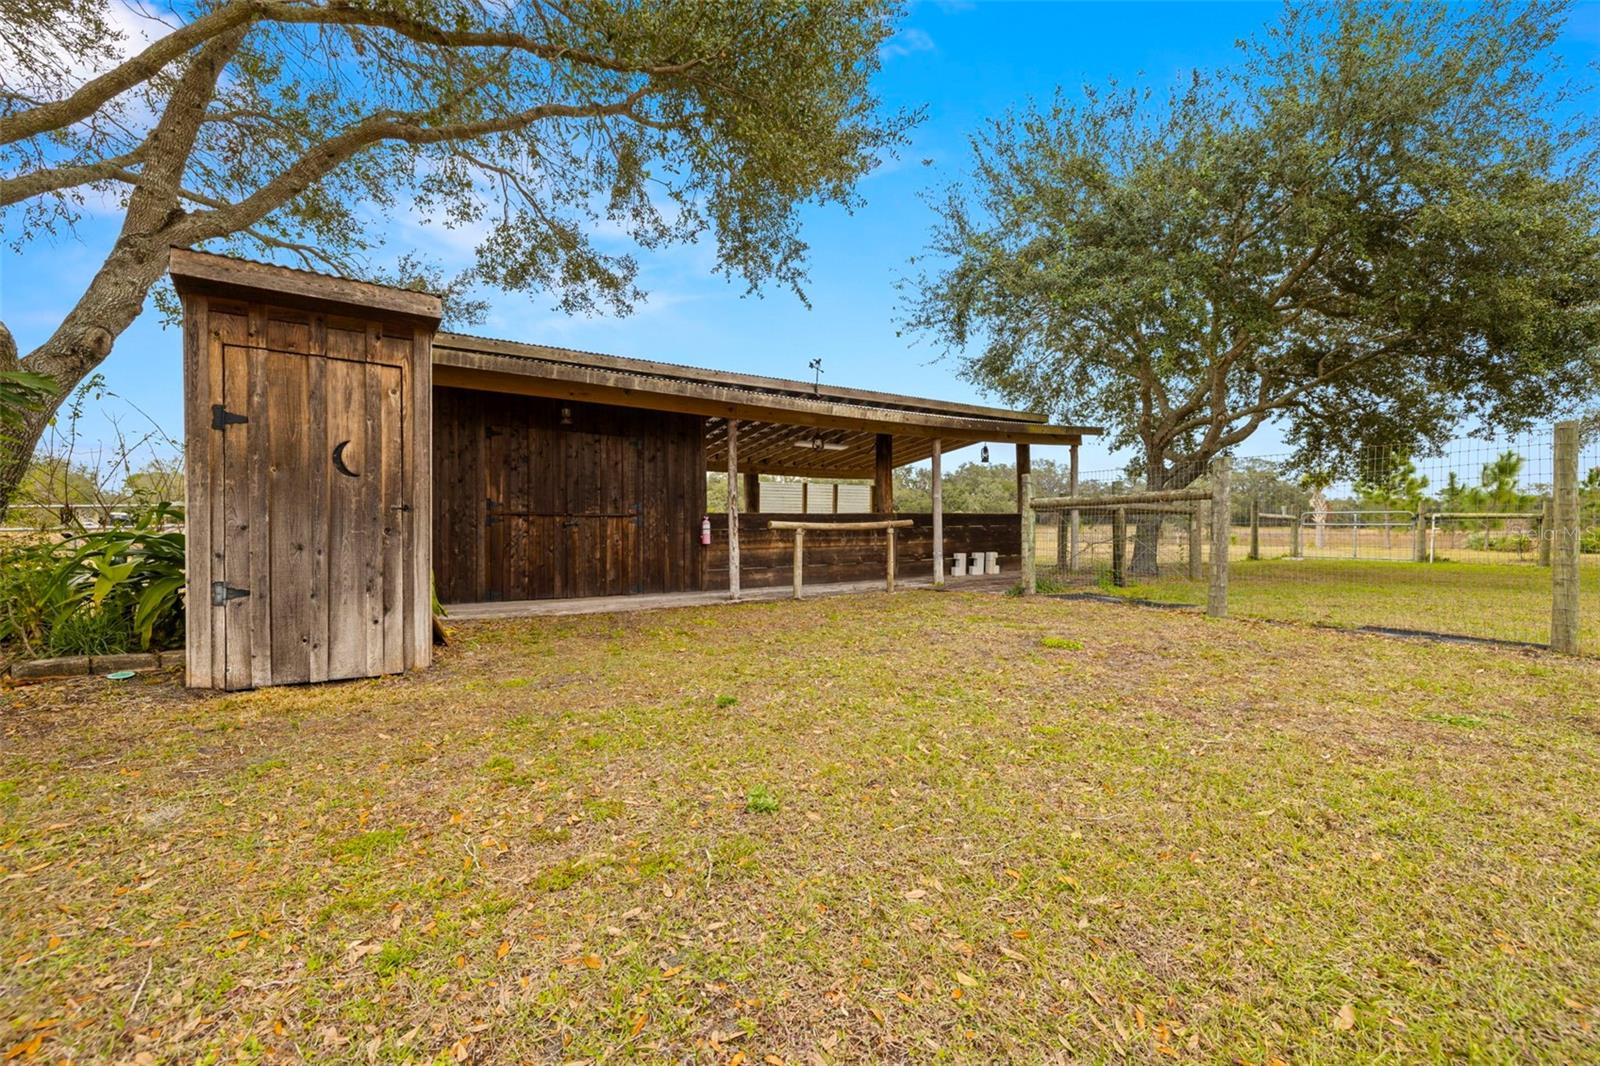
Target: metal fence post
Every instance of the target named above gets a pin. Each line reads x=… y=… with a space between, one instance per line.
x=1221 y=528
x=1564 y=549
x=1195 y=561
x=1545 y=532
x=1119 y=546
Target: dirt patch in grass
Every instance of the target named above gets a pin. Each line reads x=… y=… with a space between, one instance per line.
x=861 y=829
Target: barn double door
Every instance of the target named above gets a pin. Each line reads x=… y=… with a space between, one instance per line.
x=564 y=516
x=313 y=498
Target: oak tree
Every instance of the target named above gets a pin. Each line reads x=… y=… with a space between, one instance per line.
x=1381 y=226
x=293 y=127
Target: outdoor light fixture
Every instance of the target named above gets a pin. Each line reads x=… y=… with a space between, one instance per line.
x=984 y=455
x=566 y=416
x=817 y=444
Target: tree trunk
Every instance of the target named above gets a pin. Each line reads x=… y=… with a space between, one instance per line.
x=1146 y=543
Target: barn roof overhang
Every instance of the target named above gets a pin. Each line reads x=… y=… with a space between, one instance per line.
x=785 y=426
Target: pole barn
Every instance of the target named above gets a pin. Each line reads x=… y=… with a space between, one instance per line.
x=346 y=460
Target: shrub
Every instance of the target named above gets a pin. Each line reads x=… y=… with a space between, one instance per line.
x=1499 y=542
x=761 y=801
x=97 y=592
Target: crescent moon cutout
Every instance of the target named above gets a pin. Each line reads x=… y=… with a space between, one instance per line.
x=338 y=459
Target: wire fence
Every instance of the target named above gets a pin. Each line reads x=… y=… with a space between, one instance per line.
x=1456 y=543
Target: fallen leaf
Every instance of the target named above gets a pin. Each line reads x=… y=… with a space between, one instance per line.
x=1346 y=1019
x=967 y=979
x=503 y=950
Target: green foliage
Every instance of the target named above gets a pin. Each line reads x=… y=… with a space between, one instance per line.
x=1062 y=643
x=1382 y=222
x=97 y=591
x=761 y=801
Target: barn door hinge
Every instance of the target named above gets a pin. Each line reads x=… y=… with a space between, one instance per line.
x=222 y=592
x=222 y=418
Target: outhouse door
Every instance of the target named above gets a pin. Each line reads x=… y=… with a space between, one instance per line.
x=313 y=497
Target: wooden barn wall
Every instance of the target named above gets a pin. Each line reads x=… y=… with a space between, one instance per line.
x=766 y=556
x=528 y=508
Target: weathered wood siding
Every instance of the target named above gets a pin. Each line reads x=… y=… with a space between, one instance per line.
x=767 y=555
x=526 y=507
x=316 y=568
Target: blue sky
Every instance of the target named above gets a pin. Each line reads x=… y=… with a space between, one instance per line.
x=963 y=62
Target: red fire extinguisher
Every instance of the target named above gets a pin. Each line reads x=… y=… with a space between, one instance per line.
x=705 y=529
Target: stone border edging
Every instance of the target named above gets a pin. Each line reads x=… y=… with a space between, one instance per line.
x=85 y=665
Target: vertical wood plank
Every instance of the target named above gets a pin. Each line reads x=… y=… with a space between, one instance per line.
x=347 y=631
x=288 y=515
x=370 y=516
x=259 y=508
x=418 y=431
x=391 y=517
x=202 y=485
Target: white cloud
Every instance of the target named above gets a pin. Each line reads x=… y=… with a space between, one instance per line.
x=905 y=43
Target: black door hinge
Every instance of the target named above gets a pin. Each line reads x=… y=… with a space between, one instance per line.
x=222 y=418
x=222 y=592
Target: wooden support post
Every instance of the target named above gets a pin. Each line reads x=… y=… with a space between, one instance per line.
x=888 y=573
x=752 y=493
x=1564 y=549
x=938 y=513
x=1419 y=539
x=1545 y=532
x=883 y=475
x=1196 y=561
x=1025 y=506
x=733 y=508
x=799 y=560
x=1294 y=537
x=1221 y=528
x=1255 y=529
x=1072 y=516
x=1119 y=546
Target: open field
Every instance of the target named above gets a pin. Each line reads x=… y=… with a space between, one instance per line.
x=947 y=827
x=1501 y=601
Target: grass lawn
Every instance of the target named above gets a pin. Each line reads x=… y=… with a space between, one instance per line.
x=922 y=827
x=1505 y=601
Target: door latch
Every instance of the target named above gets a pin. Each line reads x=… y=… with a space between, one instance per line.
x=222 y=592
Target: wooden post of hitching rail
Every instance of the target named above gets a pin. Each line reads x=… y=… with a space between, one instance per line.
x=1119 y=546
x=1025 y=507
x=938 y=513
x=1072 y=516
x=888 y=570
x=733 y=508
x=1255 y=529
x=1564 y=549
x=799 y=560
x=1221 y=528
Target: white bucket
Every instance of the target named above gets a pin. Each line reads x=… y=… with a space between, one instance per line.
x=958 y=564
x=991 y=562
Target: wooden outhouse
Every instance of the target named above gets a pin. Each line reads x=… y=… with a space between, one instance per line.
x=345 y=456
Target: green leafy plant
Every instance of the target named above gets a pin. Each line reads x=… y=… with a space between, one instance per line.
x=97 y=591
x=761 y=801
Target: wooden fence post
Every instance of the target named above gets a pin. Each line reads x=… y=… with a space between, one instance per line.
x=1255 y=529
x=1221 y=530
x=799 y=560
x=1564 y=550
x=1419 y=539
x=733 y=508
x=1196 y=562
x=888 y=577
x=1025 y=505
x=1294 y=537
x=1119 y=546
